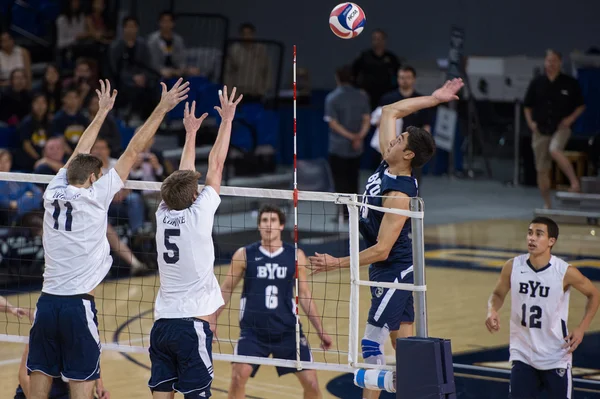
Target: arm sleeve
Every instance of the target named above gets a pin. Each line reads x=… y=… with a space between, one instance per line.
x=331 y=111
x=107 y=186
x=208 y=200
x=59 y=181
x=529 y=100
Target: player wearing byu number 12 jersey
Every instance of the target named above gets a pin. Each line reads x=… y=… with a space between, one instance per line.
x=389 y=249
x=189 y=293
x=540 y=346
x=267 y=305
x=64 y=339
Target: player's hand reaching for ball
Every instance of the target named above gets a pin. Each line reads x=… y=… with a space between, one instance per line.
x=573 y=340
x=493 y=321
x=448 y=91
x=323 y=263
x=169 y=99
x=228 y=104
x=190 y=122
x=106 y=98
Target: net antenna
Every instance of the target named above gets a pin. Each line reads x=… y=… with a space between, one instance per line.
x=298 y=364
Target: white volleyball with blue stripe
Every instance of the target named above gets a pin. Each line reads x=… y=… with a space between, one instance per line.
x=347 y=20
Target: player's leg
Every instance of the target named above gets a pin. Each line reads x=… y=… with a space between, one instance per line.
x=286 y=349
x=525 y=382
x=163 y=370
x=557 y=146
x=247 y=345
x=558 y=383
x=44 y=358
x=194 y=358
x=543 y=165
x=80 y=343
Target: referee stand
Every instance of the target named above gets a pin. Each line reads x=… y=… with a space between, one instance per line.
x=424 y=369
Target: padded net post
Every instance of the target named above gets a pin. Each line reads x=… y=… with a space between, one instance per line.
x=353 y=333
x=418 y=244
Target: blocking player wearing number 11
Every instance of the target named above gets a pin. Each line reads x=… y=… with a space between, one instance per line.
x=540 y=346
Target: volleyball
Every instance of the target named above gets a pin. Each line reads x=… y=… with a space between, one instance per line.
x=347 y=20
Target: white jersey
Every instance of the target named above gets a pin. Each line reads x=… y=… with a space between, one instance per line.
x=186 y=256
x=76 y=249
x=539 y=314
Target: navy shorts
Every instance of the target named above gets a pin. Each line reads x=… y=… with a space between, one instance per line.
x=181 y=357
x=390 y=307
x=64 y=338
x=283 y=347
x=528 y=383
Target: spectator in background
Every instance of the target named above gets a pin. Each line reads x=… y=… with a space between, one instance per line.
x=167 y=49
x=376 y=68
x=18 y=200
x=553 y=102
x=130 y=63
x=51 y=87
x=109 y=130
x=70 y=29
x=15 y=101
x=348 y=115
x=33 y=132
x=69 y=122
x=407 y=77
x=85 y=79
x=53 y=157
x=99 y=24
x=248 y=66
x=126 y=204
x=13 y=57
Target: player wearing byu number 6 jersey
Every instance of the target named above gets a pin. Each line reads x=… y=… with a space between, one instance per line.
x=189 y=293
x=64 y=339
x=268 y=309
x=540 y=346
x=389 y=251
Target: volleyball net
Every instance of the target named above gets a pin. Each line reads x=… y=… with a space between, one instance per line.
x=125 y=299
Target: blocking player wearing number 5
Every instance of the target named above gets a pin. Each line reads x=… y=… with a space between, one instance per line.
x=268 y=309
x=540 y=345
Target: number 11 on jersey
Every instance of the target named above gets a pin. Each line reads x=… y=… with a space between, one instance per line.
x=56 y=215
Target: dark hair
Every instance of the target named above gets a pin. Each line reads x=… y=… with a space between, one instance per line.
x=69 y=12
x=408 y=68
x=268 y=208
x=555 y=52
x=247 y=25
x=380 y=31
x=180 y=189
x=81 y=167
x=70 y=88
x=104 y=140
x=421 y=142
x=550 y=225
x=344 y=74
x=166 y=13
x=130 y=18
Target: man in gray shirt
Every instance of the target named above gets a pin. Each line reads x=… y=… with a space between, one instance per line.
x=347 y=112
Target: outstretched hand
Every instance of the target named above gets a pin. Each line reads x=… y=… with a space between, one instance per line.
x=322 y=263
x=178 y=93
x=228 y=105
x=106 y=98
x=190 y=122
x=448 y=91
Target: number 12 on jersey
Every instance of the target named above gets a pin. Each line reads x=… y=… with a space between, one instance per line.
x=535 y=316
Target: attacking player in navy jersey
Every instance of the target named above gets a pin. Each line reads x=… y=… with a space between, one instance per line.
x=64 y=340
x=267 y=306
x=389 y=251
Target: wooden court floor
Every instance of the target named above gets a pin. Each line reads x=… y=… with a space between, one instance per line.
x=463 y=262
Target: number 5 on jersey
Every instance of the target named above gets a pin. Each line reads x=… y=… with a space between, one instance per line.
x=171 y=246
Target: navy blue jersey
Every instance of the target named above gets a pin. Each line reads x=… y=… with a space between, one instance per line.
x=380 y=184
x=267 y=303
x=58 y=390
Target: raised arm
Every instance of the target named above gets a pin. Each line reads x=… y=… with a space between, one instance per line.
x=191 y=124
x=218 y=154
x=234 y=276
x=390 y=113
x=88 y=138
x=168 y=101
x=309 y=307
x=575 y=279
x=497 y=298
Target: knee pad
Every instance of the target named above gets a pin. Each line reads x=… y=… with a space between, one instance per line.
x=372 y=344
